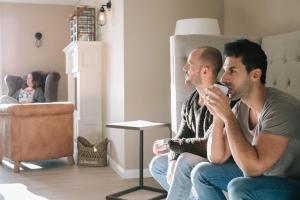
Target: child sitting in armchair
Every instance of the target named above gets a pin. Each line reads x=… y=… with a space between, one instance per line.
x=31 y=93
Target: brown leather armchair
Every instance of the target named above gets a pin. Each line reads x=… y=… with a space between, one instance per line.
x=36 y=131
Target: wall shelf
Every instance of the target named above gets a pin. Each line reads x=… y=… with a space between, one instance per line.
x=82 y=26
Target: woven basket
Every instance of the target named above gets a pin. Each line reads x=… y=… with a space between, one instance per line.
x=91 y=154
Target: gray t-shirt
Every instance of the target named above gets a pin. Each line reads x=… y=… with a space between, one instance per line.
x=280 y=116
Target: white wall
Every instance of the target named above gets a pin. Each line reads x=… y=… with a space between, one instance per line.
x=261 y=17
x=138 y=74
x=19 y=55
x=113 y=80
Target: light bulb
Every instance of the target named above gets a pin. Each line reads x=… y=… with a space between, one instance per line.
x=102 y=16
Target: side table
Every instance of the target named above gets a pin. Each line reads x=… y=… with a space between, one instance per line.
x=139 y=125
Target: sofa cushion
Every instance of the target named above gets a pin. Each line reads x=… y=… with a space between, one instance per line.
x=283 y=52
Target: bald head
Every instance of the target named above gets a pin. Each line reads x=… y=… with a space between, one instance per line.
x=211 y=56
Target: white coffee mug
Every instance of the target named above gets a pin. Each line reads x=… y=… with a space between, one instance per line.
x=223 y=88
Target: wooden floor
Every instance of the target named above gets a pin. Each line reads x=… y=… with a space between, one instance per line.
x=58 y=181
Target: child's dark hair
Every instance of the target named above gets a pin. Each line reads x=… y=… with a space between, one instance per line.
x=37 y=80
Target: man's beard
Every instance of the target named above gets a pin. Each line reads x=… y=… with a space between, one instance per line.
x=240 y=92
x=189 y=82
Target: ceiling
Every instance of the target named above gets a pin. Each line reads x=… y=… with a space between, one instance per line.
x=55 y=2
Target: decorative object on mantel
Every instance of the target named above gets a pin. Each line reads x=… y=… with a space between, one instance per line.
x=205 y=26
x=38 y=39
x=102 y=13
x=82 y=24
x=78 y=10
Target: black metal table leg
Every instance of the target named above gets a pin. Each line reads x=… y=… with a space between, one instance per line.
x=141 y=158
x=116 y=196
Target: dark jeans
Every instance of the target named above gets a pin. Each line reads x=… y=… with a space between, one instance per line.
x=209 y=180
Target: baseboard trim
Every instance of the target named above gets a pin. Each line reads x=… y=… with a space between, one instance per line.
x=127 y=173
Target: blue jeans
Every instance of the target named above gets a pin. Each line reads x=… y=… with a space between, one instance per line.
x=209 y=180
x=158 y=168
x=181 y=185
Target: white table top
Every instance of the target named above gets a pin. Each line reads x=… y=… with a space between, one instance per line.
x=137 y=125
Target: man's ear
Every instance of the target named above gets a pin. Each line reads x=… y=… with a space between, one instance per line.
x=256 y=74
x=205 y=69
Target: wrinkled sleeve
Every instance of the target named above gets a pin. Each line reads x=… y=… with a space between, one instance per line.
x=184 y=130
x=195 y=146
x=281 y=119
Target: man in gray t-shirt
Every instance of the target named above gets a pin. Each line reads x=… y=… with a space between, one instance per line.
x=279 y=116
x=253 y=149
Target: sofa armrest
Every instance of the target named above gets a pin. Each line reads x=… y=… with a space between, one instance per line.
x=36 y=109
x=36 y=131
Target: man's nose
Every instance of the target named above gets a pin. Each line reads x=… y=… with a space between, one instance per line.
x=224 y=78
x=185 y=67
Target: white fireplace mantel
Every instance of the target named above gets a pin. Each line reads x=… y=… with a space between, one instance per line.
x=83 y=67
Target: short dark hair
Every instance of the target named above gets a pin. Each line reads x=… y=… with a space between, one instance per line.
x=251 y=54
x=213 y=56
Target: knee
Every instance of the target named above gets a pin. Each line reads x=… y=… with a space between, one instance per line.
x=184 y=162
x=153 y=166
x=184 y=165
x=238 y=188
x=200 y=172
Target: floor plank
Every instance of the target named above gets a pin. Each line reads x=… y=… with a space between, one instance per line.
x=59 y=181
